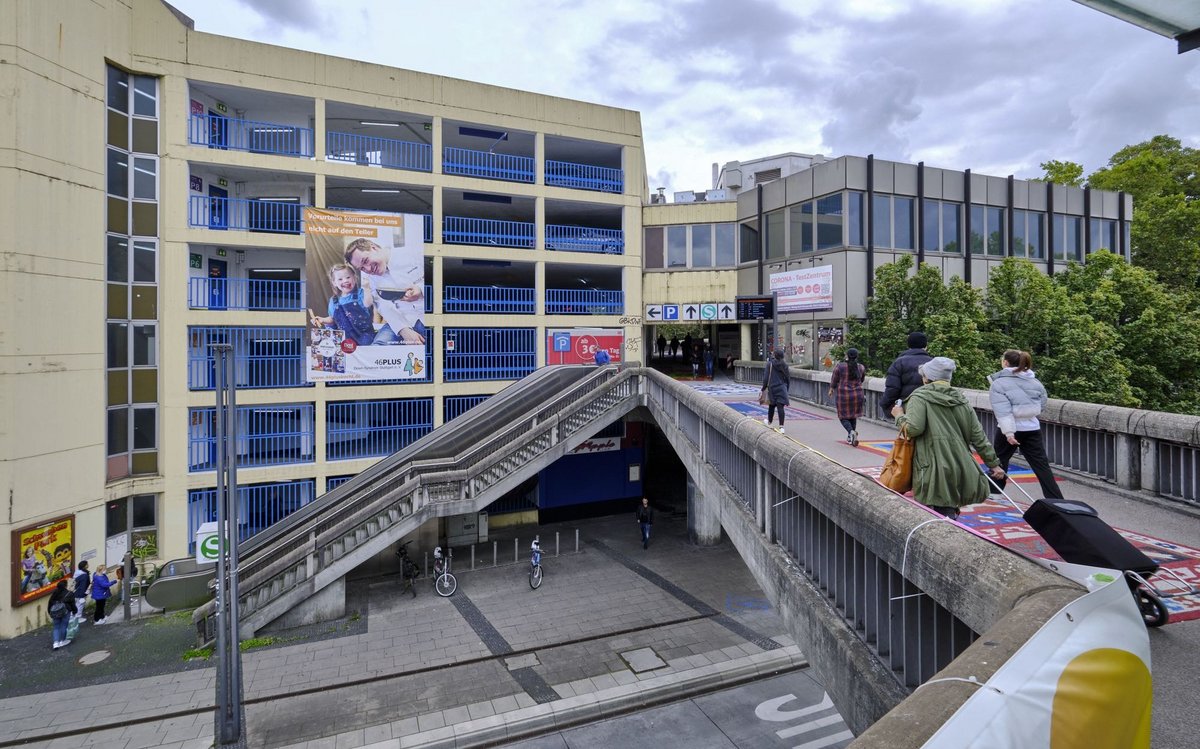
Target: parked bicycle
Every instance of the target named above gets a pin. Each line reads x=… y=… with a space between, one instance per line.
x=444 y=581
x=535 y=564
x=408 y=569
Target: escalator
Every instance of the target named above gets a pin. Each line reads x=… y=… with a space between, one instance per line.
x=184 y=584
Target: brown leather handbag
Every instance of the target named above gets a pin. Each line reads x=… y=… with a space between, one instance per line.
x=897 y=469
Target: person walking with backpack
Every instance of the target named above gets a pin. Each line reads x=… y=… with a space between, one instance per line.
x=847 y=389
x=903 y=376
x=59 y=610
x=1017 y=401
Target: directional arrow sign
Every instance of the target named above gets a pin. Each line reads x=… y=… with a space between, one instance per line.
x=725 y=311
x=670 y=312
x=691 y=310
x=708 y=311
x=654 y=312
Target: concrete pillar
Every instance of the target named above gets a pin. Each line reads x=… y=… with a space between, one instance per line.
x=319 y=130
x=704 y=518
x=1149 y=464
x=1129 y=458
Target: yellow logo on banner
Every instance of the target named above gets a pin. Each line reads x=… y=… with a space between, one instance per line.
x=1108 y=682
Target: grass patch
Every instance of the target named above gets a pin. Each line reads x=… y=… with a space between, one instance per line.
x=172 y=618
x=197 y=654
x=257 y=642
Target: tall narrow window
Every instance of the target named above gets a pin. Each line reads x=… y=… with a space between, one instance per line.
x=951 y=213
x=702 y=245
x=829 y=222
x=881 y=220
x=978 y=230
x=726 y=245
x=903 y=238
x=854 y=218
x=775 y=234
x=677 y=246
x=995 y=232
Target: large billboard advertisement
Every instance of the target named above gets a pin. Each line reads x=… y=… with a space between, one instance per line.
x=804 y=289
x=579 y=345
x=365 y=292
x=45 y=554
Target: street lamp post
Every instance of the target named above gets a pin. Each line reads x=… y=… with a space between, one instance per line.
x=230 y=724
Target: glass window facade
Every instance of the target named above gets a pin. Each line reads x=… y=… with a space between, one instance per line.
x=131 y=247
x=677 y=246
x=652 y=246
x=941 y=226
x=1104 y=235
x=829 y=222
x=902 y=235
x=854 y=219
x=696 y=246
x=800 y=239
x=725 y=245
x=748 y=244
x=881 y=220
x=994 y=229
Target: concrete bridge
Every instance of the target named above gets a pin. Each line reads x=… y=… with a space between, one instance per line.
x=879 y=608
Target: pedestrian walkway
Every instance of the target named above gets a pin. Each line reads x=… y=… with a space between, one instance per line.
x=612 y=628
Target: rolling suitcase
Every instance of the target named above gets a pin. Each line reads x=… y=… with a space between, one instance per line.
x=1075 y=531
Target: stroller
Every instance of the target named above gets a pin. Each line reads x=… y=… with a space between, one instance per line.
x=1075 y=531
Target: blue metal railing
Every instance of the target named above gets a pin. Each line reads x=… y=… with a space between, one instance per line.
x=216 y=131
x=259 y=506
x=488 y=353
x=486 y=164
x=367 y=429
x=584 y=302
x=244 y=214
x=584 y=176
x=264 y=357
x=487 y=232
x=454 y=406
x=334 y=482
x=584 y=239
x=245 y=293
x=366 y=150
x=515 y=300
x=266 y=436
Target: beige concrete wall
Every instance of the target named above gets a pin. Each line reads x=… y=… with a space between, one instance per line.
x=52 y=182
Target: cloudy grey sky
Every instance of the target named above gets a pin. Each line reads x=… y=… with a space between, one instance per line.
x=993 y=85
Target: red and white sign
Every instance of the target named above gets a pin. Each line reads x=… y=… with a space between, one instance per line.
x=803 y=290
x=585 y=342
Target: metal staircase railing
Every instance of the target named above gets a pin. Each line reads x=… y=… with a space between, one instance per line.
x=367 y=515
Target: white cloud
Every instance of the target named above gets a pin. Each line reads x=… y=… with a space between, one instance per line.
x=994 y=85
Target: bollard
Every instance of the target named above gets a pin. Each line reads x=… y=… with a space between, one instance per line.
x=473 y=554
x=516 y=548
x=576 y=540
x=495 y=547
x=556 y=540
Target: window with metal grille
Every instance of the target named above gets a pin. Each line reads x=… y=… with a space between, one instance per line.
x=266 y=435
x=365 y=429
x=259 y=506
x=489 y=353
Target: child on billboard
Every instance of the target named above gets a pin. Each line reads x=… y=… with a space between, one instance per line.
x=351 y=308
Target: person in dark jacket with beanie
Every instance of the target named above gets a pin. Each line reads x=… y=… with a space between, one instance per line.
x=903 y=376
x=776 y=383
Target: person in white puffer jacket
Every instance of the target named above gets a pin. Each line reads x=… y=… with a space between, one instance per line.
x=1017 y=400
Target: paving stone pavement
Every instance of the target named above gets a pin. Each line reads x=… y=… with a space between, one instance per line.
x=430 y=663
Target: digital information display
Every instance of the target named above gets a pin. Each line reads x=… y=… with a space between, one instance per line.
x=755 y=308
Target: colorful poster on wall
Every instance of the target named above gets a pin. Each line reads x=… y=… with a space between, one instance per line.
x=804 y=289
x=44 y=555
x=365 y=291
x=579 y=345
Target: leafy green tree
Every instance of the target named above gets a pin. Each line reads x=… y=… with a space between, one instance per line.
x=1163 y=176
x=1061 y=173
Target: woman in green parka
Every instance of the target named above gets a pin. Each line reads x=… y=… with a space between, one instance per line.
x=943 y=427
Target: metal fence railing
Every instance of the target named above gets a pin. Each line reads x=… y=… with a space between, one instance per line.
x=454 y=406
x=278 y=434
x=216 y=131
x=367 y=429
x=245 y=293
x=265 y=357
x=488 y=165
x=584 y=302
x=365 y=150
x=493 y=299
x=584 y=176
x=488 y=353
x=487 y=232
x=259 y=506
x=246 y=214
x=565 y=238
